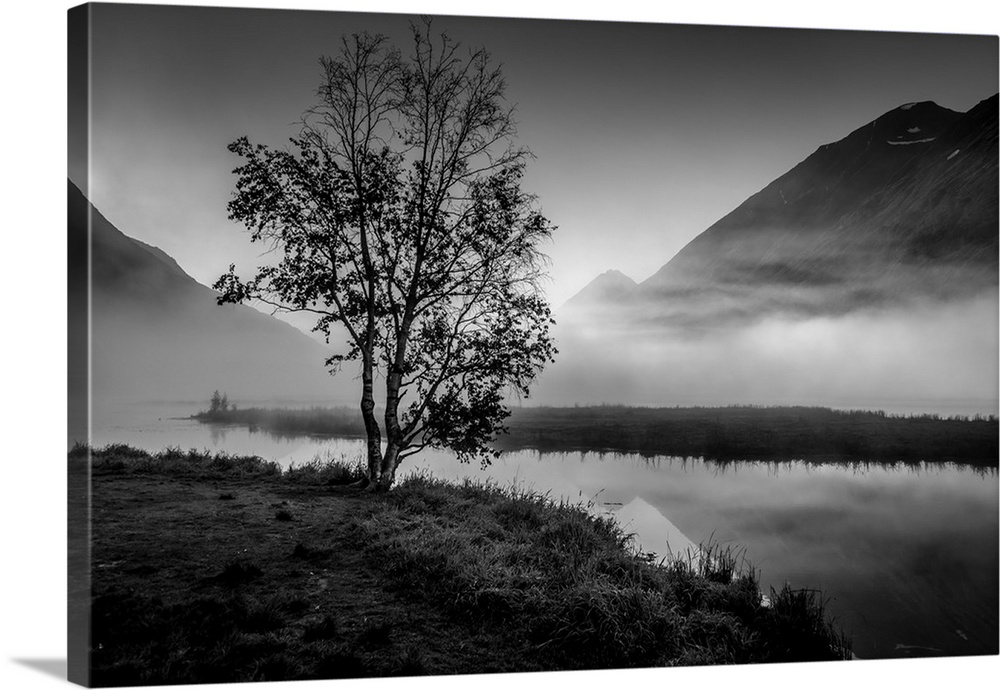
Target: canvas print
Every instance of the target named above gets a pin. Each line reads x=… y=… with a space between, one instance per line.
x=409 y=345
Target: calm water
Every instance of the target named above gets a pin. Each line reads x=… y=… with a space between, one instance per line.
x=907 y=556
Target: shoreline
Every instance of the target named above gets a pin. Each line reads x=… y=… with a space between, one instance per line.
x=292 y=565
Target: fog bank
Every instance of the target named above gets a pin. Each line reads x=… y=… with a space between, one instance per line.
x=937 y=358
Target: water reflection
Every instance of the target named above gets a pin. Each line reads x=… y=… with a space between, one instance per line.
x=219 y=433
x=907 y=554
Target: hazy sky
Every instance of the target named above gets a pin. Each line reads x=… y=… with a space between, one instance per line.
x=645 y=134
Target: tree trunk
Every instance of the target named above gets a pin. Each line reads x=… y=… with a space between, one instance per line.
x=371 y=423
x=393 y=382
x=393 y=432
x=390 y=461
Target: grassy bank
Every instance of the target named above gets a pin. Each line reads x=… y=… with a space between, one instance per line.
x=569 y=585
x=715 y=433
x=213 y=568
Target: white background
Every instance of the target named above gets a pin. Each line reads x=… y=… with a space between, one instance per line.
x=32 y=454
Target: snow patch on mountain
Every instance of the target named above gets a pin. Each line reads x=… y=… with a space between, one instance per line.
x=911 y=141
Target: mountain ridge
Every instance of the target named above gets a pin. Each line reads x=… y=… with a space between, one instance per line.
x=889 y=213
x=157 y=333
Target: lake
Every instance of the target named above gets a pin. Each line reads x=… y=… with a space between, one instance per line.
x=907 y=556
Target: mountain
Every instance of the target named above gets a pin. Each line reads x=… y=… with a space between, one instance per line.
x=865 y=277
x=158 y=334
x=610 y=287
x=901 y=210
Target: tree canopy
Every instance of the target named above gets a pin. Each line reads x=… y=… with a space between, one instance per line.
x=398 y=215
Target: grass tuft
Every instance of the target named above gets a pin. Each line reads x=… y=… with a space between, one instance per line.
x=795 y=626
x=324 y=629
x=327 y=471
x=236 y=573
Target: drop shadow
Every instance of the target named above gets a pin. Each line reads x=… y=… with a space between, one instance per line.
x=50 y=667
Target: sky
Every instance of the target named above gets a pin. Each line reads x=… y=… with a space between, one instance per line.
x=644 y=134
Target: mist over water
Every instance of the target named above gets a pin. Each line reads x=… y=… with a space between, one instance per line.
x=931 y=358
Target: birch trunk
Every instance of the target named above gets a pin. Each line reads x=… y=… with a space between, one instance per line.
x=372 y=431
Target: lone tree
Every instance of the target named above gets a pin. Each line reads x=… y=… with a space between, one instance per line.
x=398 y=218
x=218 y=403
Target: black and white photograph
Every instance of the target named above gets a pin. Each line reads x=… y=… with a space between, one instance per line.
x=411 y=342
